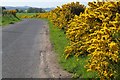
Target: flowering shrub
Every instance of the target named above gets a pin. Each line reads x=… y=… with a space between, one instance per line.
x=9 y=12
x=27 y=16
x=60 y=16
x=41 y=15
x=93 y=34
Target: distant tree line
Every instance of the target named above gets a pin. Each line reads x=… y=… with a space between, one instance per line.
x=29 y=10
x=35 y=10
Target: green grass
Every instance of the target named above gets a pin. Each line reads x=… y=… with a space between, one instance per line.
x=0 y=20
x=59 y=42
x=9 y=19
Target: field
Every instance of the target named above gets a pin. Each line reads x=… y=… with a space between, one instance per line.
x=22 y=14
x=25 y=15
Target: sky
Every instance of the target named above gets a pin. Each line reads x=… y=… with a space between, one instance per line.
x=39 y=3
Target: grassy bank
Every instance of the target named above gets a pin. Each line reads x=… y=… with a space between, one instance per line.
x=0 y=20
x=72 y=64
x=9 y=19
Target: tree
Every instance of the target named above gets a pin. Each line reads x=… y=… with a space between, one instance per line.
x=30 y=10
x=3 y=8
x=35 y=10
x=3 y=11
x=21 y=11
x=17 y=10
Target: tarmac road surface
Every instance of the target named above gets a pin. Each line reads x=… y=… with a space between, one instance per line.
x=27 y=51
x=21 y=46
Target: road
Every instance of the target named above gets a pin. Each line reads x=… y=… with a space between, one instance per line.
x=21 y=44
x=26 y=51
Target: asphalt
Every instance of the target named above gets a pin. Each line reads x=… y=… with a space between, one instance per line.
x=21 y=44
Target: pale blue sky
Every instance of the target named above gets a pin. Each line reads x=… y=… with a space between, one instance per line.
x=39 y=3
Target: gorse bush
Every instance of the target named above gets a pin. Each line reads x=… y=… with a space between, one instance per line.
x=38 y=15
x=41 y=15
x=93 y=34
x=27 y=16
x=60 y=16
x=9 y=12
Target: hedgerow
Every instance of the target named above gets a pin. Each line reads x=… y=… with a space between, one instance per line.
x=93 y=34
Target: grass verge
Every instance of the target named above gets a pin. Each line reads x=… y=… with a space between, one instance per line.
x=9 y=19
x=0 y=20
x=72 y=65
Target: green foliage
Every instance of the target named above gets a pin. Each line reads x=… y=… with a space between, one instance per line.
x=35 y=10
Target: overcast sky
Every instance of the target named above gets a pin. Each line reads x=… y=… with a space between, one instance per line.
x=39 y=3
